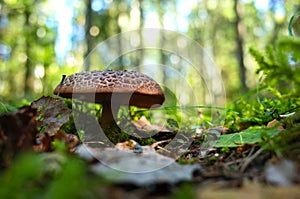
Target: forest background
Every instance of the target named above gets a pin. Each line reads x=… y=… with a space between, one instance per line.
x=41 y=40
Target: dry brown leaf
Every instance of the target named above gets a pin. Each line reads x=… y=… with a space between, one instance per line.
x=144 y=125
x=130 y=144
x=52 y=114
x=274 y=123
x=44 y=143
x=71 y=140
x=122 y=165
x=17 y=133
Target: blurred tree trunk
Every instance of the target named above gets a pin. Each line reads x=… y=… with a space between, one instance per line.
x=120 y=60
x=239 y=45
x=88 y=25
x=120 y=46
x=163 y=56
x=140 y=58
x=28 y=67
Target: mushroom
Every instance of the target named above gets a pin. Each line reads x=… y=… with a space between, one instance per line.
x=112 y=89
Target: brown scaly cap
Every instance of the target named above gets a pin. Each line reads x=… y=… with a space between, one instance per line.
x=145 y=91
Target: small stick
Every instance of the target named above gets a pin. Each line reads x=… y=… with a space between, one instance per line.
x=60 y=84
x=250 y=159
x=159 y=142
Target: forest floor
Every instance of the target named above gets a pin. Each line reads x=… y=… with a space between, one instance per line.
x=41 y=158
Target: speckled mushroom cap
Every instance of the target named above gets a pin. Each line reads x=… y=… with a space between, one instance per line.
x=99 y=86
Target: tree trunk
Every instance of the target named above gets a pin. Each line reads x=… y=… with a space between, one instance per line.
x=88 y=25
x=120 y=48
x=28 y=67
x=162 y=57
x=120 y=60
x=239 y=46
x=140 y=58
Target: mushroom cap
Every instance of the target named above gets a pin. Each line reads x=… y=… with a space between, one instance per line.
x=100 y=86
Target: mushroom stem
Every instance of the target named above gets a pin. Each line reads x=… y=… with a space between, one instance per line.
x=109 y=115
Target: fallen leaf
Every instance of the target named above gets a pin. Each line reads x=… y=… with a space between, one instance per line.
x=249 y=136
x=130 y=144
x=52 y=114
x=71 y=140
x=144 y=125
x=142 y=169
x=276 y=123
x=44 y=143
x=18 y=130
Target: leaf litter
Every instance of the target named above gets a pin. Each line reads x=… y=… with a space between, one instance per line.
x=34 y=127
x=18 y=130
x=53 y=114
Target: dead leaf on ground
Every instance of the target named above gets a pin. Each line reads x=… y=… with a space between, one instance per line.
x=124 y=165
x=276 y=123
x=144 y=125
x=52 y=114
x=71 y=140
x=45 y=141
x=19 y=129
x=17 y=132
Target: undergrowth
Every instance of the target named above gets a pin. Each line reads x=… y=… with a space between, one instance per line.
x=277 y=94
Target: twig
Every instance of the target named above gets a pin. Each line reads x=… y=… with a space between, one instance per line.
x=163 y=149
x=250 y=159
x=159 y=142
x=61 y=83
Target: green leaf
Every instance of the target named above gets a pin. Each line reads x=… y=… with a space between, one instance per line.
x=249 y=136
x=21 y=179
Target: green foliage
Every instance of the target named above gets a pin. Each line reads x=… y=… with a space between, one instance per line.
x=186 y=191
x=280 y=67
x=12 y=105
x=276 y=97
x=6 y=108
x=22 y=182
x=286 y=144
x=279 y=90
x=72 y=178
x=55 y=175
x=249 y=136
